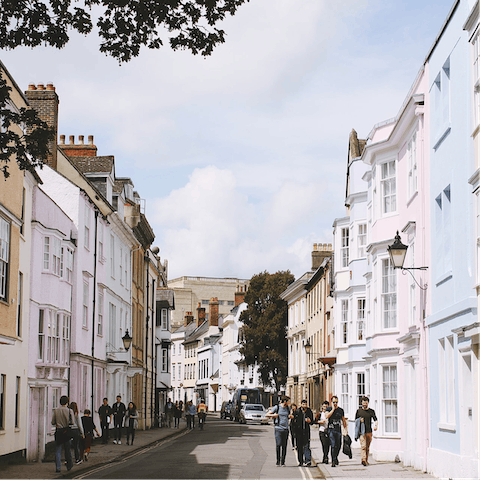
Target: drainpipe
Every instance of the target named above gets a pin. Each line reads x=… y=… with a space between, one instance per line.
x=145 y=258
x=152 y=391
x=93 y=313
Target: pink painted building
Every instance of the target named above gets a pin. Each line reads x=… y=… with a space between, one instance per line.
x=52 y=277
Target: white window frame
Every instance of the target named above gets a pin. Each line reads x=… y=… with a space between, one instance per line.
x=112 y=255
x=121 y=266
x=85 y=305
x=389 y=295
x=443 y=226
x=164 y=318
x=41 y=335
x=345 y=246
x=46 y=253
x=101 y=303
x=476 y=78
x=361 y=387
x=412 y=167
x=344 y=395
x=344 y=321
x=390 y=399
x=388 y=187
x=100 y=242
x=86 y=235
x=362 y=240
x=361 y=304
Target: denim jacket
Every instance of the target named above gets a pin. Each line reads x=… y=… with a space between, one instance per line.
x=359 y=428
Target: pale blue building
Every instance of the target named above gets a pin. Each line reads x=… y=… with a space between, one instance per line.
x=453 y=349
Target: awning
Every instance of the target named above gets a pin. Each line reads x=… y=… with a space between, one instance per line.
x=327 y=360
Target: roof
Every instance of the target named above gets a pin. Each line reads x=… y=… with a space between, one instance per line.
x=197 y=333
x=102 y=164
x=120 y=183
x=165 y=298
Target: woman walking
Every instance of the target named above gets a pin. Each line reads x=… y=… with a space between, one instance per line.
x=77 y=432
x=131 y=422
x=293 y=431
x=88 y=429
x=177 y=414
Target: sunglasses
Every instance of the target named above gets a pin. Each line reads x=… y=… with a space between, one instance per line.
x=334 y=402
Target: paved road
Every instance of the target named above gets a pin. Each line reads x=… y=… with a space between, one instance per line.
x=224 y=449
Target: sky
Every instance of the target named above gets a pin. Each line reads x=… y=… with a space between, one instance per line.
x=241 y=156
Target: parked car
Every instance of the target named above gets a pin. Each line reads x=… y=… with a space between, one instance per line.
x=226 y=410
x=242 y=396
x=253 y=412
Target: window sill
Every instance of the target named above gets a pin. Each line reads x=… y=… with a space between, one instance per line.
x=448 y=427
x=412 y=198
x=442 y=137
x=393 y=436
x=443 y=278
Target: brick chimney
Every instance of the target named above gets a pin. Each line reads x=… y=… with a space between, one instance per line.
x=213 y=312
x=240 y=295
x=200 y=314
x=80 y=149
x=189 y=318
x=319 y=253
x=45 y=102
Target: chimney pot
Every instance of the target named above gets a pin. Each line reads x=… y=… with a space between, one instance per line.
x=50 y=86
x=80 y=139
x=40 y=86
x=90 y=139
x=62 y=139
x=72 y=139
x=31 y=86
x=315 y=246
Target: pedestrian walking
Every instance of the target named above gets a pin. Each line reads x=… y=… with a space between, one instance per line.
x=77 y=432
x=105 y=414
x=336 y=417
x=190 y=412
x=293 y=434
x=202 y=410
x=118 y=412
x=177 y=413
x=365 y=416
x=322 y=421
x=61 y=419
x=281 y=413
x=88 y=429
x=131 y=422
x=302 y=419
x=169 y=407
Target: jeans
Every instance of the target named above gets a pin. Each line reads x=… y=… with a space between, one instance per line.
x=325 y=445
x=281 y=437
x=105 y=431
x=190 y=421
x=335 y=443
x=293 y=436
x=68 y=455
x=117 y=427
x=201 y=419
x=130 y=433
x=76 y=437
x=304 y=454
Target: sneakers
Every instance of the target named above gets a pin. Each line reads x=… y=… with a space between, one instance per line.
x=308 y=464
x=115 y=442
x=364 y=463
x=78 y=462
x=119 y=442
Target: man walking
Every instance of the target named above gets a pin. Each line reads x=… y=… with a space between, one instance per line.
x=302 y=419
x=281 y=414
x=169 y=412
x=190 y=415
x=105 y=414
x=118 y=411
x=62 y=418
x=336 y=417
x=365 y=415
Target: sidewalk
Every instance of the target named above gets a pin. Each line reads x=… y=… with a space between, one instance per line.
x=348 y=469
x=99 y=455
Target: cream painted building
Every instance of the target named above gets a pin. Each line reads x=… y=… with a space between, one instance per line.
x=190 y=291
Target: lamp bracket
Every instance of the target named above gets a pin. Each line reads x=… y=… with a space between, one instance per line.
x=414 y=279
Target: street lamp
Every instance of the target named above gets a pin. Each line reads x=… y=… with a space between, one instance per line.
x=308 y=348
x=127 y=340
x=398 y=252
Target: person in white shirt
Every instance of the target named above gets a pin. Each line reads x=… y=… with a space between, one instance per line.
x=322 y=429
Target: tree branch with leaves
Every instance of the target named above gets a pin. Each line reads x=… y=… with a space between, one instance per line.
x=23 y=135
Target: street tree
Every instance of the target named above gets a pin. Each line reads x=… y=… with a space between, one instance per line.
x=124 y=26
x=265 y=326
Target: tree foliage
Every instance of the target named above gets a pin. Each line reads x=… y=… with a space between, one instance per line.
x=265 y=326
x=30 y=147
x=124 y=26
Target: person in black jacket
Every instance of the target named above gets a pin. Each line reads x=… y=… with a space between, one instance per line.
x=88 y=429
x=105 y=414
x=118 y=411
x=302 y=419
